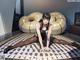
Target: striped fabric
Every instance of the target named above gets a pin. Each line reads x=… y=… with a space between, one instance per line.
x=32 y=51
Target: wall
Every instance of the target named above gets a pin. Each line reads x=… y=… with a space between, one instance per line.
x=18 y=7
x=68 y=9
x=6 y=16
x=2 y=32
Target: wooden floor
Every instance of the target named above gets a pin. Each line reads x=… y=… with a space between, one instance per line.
x=31 y=52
